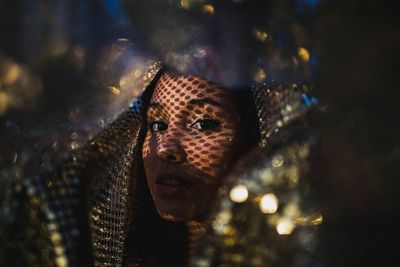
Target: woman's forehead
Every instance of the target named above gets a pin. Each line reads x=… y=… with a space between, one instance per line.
x=180 y=88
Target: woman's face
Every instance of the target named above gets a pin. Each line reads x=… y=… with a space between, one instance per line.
x=191 y=141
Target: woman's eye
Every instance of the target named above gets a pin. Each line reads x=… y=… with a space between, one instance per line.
x=158 y=126
x=206 y=124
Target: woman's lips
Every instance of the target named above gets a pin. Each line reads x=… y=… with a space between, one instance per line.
x=168 y=185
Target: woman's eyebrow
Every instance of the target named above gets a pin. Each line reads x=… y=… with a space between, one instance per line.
x=206 y=100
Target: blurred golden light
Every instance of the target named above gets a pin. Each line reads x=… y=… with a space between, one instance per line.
x=228 y=230
x=208 y=9
x=237 y=258
x=9 y=72
x=58 y=48
x=293 y=174
x=95 y=217
x=292 y=210
x=272 y=219
x=277 y=161
x=4 y=102
x=260 y=35
x=229 y=242
x=286 y=118
x=114 y=90
x=56 y=238
x=123 y=81
x=314 y=219
x=239 y=194
x=304 y=54
x=224 y=217
x=221 y=221
x=74 y=145
x=52 y=226
x=59 y=250
x=179 y=61
x=218 y=228
x=138 y=73
x=285 y=226
x=185 y=4
x=304 y=151
x=21 y=88
x=269 y=203
x=259 y=75
x=266 y=176
x=61 y=261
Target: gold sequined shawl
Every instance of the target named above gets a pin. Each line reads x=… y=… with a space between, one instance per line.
x=78 y=214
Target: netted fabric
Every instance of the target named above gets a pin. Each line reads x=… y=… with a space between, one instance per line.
x=43 y=221
x=108 y=214
x=278 y=105
x=79 y=209
x=114 y=155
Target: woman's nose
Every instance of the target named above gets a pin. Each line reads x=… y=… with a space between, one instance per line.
x=170 y=147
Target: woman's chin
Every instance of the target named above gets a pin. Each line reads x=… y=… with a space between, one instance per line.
x=178 y=213
x=171 y=218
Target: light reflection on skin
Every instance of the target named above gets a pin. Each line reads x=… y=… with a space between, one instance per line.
x=191 y=142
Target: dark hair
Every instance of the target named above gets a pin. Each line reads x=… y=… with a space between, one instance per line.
x=248 y=116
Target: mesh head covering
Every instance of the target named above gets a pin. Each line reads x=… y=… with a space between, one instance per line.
x=113 y=157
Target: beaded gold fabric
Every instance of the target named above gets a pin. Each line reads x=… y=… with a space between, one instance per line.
x=43 y=220
x=278 y=105
x=61 y=218
x=115 y=151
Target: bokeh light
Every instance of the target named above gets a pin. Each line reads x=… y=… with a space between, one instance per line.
x=285 y=226
x=269 y=203
x=239 y=194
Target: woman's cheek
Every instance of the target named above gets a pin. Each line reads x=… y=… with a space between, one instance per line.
x=146 y=145
x=211 y=158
